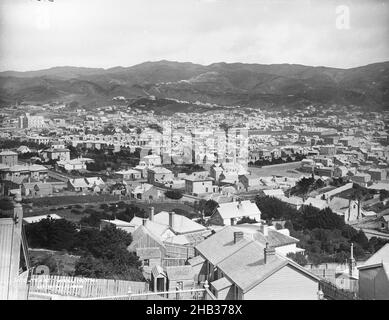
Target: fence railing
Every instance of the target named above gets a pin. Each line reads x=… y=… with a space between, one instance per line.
x=78 y=287
x=188 y=294
x=332 y=292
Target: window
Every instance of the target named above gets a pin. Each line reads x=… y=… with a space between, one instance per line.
x=146 y=262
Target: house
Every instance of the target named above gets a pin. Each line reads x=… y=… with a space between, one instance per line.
x=144 y=237
x=76 y=164
x=251 y=183
x=361 y=178
x=147 y=191
x=95 y=184
x=199 y=185
x=78 y=185
x=23 y=149
x=179 y=224
x=240 y=268
x=324 y=171
x=8 y=158
x=56 y=152
x=340 y=171
x=152 y=160
x=374 y=276
x=159 y=175
x=231 y=212
x=170 y=228
x=377 y=174
x=18 y=173
x=130 y=174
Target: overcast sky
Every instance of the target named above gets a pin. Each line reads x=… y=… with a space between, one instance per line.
x=96 y=33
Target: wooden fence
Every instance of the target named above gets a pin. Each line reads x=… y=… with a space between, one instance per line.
x=78 y=287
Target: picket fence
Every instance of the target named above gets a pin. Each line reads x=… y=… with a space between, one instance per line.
x=84 y=287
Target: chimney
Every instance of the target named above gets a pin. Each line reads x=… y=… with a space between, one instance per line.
x=144 y=222
x=151 y=216
x=238 y=235
x=264 y=229
x=171 y=219
x=352 y=263
x=269 y=253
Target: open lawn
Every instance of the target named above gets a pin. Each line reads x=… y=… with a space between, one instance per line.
x=284 y=170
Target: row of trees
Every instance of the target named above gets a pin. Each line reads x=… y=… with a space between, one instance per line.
x=322 y=233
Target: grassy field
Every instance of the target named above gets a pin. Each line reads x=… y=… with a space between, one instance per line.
x=75 y=212
x=284 y=169
x=72 y=199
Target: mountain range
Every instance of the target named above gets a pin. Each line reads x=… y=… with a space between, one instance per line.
x=254 y=85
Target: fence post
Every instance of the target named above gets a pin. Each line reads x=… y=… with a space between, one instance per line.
x=129 y=293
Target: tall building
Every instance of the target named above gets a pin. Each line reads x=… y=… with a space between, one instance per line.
x=27 y=121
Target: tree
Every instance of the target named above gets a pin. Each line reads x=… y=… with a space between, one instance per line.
x=105 y=255
x=173 y=194
x=53 y=234
x=298 y=257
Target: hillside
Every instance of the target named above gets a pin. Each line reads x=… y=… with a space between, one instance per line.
x=219 y=83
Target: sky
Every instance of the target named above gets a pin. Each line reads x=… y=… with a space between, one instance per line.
x=95 y=33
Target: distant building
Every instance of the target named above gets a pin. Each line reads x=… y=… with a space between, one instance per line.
x=198 y=185
x=8 y=158
x=231 y=212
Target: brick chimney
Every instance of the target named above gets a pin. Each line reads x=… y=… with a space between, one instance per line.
x=171 y=219
x=151 y=215
x=269 y=253
x=238 y=235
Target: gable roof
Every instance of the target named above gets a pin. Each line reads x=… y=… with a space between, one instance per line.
x=220 y=245
x=274 y=238
x=181 y=224
x=243 y=262
x=235 y=209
